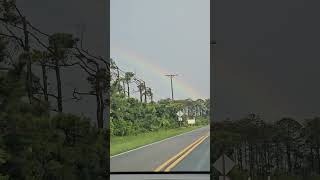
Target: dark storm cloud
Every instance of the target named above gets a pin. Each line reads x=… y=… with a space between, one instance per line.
x=66 y=15
x=266 y=59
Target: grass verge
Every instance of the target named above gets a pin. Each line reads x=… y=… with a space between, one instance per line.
x=125 y=143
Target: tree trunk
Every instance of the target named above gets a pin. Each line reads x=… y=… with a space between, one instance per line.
x=140 y=90
x=124 y=87
x=288 y=159
x=251 y=160
x=45 y=82
x=26 y=49
x=145 y=92
x=58 y=78
x=245 y=155
x=100 y=104
x=128 y=89
x=118 y=80
x=277 y=149
x=240 y=157
x=312 y=162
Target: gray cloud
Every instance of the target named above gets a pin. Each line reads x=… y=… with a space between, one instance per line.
x=266 y=60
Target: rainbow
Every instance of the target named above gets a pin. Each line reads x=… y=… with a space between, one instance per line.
x=144 y=63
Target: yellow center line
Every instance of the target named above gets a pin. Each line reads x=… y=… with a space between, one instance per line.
x=180 y=153
x=184 y=155
x=172 y=158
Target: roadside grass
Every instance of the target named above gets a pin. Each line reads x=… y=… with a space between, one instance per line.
x=119 y=144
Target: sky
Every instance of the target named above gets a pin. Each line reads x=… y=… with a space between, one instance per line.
x=266 y=60
x=153 y=38
x=66 y=16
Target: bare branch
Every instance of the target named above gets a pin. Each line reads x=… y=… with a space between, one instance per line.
x=14 y=36
x=41 y=43
x=87 y=58
x=75 y=92
x=93 y=56
x=18 y=11
x=4 y=69
x=49 y=94
x=86 y=67
x=37 y=30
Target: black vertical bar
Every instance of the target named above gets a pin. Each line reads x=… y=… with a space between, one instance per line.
x=109 y=94
x=212 y=44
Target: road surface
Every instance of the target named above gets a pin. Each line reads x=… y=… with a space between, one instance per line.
x=186 y=152
x=197 y=160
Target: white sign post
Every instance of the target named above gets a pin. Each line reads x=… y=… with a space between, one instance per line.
x=180 y=114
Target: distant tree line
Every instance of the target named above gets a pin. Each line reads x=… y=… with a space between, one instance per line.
x=38 y=140
x=130 y=115
x=287 y=147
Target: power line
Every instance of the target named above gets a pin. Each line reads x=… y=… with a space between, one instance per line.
x=171 y=76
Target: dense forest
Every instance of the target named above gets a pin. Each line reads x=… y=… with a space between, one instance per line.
x=130 y=115
x=38 y=138
x=287 y=147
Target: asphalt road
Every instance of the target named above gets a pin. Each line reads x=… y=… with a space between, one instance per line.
x=197 y=160
x=150 y=157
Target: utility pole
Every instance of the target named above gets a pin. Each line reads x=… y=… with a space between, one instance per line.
x=171 y=76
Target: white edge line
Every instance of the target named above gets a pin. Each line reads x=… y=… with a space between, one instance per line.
x=154 y=143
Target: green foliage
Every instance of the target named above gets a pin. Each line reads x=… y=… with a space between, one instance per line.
x=62 y=147
x=4 y=177
x=284 y=149
x=7 y=11
x=129 y=116
x=202 y=121
x=36 y=144
x=4 y=156
x=62 y=40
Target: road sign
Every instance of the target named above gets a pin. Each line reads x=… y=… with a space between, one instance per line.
x=227 y=162
x=179 y=118
x=191 y=121
x=180 y=113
